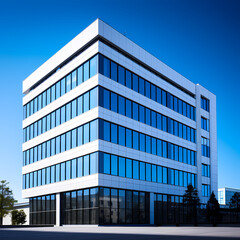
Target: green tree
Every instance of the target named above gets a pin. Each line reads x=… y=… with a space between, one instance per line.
x=192 y=201
x=18 y=217
x=235 y=201
x=213 y=209
x=6 y=199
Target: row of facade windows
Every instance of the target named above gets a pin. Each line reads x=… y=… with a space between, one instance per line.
x=205 y=170
x=205 y=123
x=106 y=206
x=125 y=167
x=125 y=77
x=63 y=86
x=43 y=209
x=205 y=147
x=71 y=139
x=126 y=107
x=205 y=103
x=112 y=133
x=80 y=207
x=206 y=190
x=107 y=164
x=76 y=107
x=78 y=167
x=129 y=138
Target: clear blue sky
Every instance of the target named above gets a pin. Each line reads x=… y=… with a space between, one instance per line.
x=199 y=39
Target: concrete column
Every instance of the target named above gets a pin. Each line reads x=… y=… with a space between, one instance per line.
x=58 y=208
x=151 y=208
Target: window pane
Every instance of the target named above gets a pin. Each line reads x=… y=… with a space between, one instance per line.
x=86 y=169
x=114 y=165
x=113 y=71
x=121 y=75
x=106 y=163
x=135 y=169
x=86 y=71
x=142 y=171
x=128 y=168
x=121 y=166
x=93 y=66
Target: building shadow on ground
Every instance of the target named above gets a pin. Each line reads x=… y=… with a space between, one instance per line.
x=35 y=235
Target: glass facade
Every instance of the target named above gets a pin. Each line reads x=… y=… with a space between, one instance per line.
x=206 y=190
x=78 y=167
x=100 y=162
x=129 y=138
x=71 y=139
x=145 y=115
x=101 y=205
x=76 y=107
x=205 y=147
x=43 y=209
x=205 y=103
x=63 y=86
x=205 y=123
x=109 y=69
x=205 y=170
x=130 y=168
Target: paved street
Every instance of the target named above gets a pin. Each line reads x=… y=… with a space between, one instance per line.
x=140 y=233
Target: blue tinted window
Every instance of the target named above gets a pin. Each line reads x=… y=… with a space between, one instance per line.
x=135 y=82
x=164 y=97
x=86 y=133
x=141 y=86
x=114 y=102
x=93 y=130
x=159 y=95
x=106 y=131
x=128 y=79
x=74 y=168
x=86 y=165
x=63 y=171
x=135 y=169
x=114 y=133
x=80 y=75
x=74 y=79
x=153 y=119
x=121 y=136
x=142 y=114
x=114 y=73
x=129 y=138
x=159 y=174
x=121 y=168
x=147 y=89
x=93 y=66
x=128 y=108
x=142 y=171
x=79 y=167
x=106 y=67
x=106 y=163
x=154 y=173
x=106 y=99
x=142 y=142
x=135 y=111
x=165 y=175
x=93 y=163
x=114 y=165
x=148 y=172
x=154 y=146
x=148 y=116
x=159 y=148
x=86 y=102
x=121 y=75
x=128 y=168
x=153 y=93
x=68 y=170
x=164 y=123
x=93 y=98
x=80 y=136
x=68 y=83
x=86 y=71
x=148 y=144
x=79 y=105
x=121 y=105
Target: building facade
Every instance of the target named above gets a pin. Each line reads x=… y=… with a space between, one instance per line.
x=225 y=195
x=109 y=130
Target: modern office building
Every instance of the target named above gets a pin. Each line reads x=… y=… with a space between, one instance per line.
x=225 y=195
x=109 y=131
